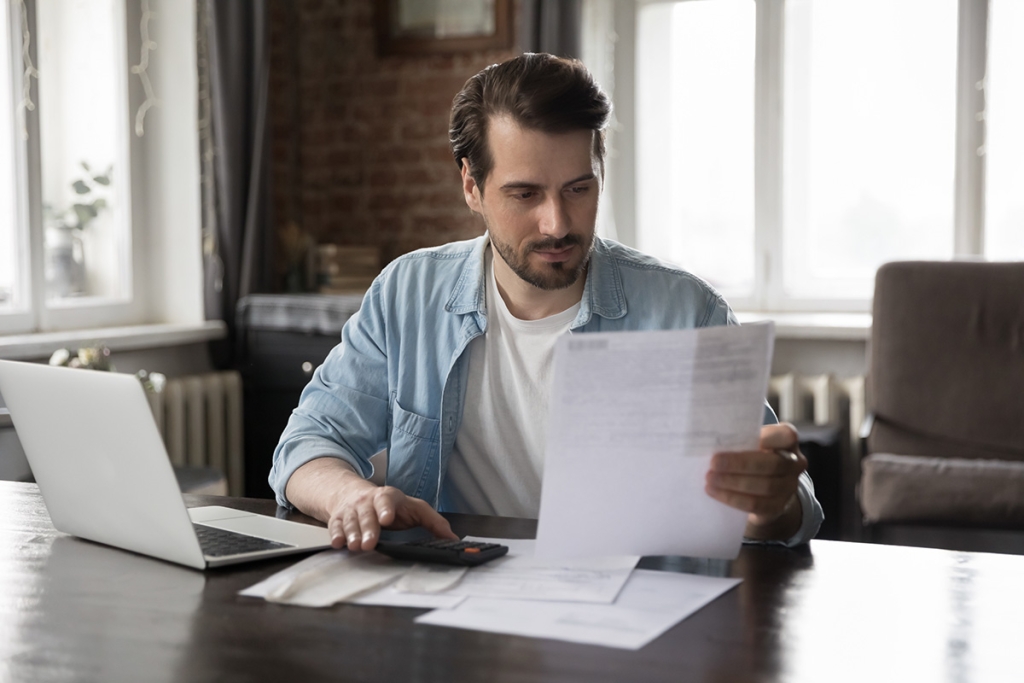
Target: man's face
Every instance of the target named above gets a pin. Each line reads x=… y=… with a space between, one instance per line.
x=539 y=201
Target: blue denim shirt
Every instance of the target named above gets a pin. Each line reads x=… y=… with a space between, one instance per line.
x=398 y=378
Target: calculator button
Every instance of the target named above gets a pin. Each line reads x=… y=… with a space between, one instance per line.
x=471 y=550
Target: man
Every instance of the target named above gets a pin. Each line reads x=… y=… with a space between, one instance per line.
x=447 y=363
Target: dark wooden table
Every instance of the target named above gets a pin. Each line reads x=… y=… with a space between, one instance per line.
x=71 y=610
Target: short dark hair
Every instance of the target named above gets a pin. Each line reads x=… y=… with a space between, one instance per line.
x=538 y=91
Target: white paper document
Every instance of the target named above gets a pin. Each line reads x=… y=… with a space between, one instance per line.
x=635 y=418
x=371 y=579
x=335 y=576
x=430 y=578
x=329 y=577
x=390 y=596
x=650 y=603
x=521 y=576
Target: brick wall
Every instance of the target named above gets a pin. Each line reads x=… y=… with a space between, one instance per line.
x=360 y=150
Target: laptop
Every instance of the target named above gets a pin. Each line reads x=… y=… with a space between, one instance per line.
x=104 y=473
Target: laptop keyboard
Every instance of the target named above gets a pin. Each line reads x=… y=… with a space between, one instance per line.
x=219 y=543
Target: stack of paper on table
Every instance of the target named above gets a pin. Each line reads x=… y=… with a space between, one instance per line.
x=337 y=576
x=650 y=603
x=602 y=602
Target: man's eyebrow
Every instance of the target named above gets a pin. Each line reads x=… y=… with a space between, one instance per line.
x=527 y=185
x=582 y=178
x=519 y=185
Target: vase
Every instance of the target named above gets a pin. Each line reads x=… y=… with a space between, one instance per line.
x=65 y=262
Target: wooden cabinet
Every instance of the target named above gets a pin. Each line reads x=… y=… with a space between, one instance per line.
x=283 y=339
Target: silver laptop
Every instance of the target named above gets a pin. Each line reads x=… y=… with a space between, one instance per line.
x=104 y=473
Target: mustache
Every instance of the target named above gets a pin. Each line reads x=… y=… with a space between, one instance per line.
x=556 y=244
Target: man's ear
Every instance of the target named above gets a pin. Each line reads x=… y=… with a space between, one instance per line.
x=470 y=189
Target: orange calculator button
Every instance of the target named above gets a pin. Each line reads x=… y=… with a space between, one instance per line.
x=471 y=550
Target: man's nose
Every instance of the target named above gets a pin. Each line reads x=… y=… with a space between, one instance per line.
x=554 y=219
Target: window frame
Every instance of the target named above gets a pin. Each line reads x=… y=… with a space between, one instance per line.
x=22 y=318
x=769 y=220
x=161 y=185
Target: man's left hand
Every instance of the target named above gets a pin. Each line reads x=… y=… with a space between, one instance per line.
x=762 y=483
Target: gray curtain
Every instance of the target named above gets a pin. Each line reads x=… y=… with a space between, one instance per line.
x=551 y=26
x=237 y=240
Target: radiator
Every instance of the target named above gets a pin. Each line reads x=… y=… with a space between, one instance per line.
x=200 y=420
x=821 y=399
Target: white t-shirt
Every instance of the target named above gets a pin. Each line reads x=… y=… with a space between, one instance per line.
x=497 y=463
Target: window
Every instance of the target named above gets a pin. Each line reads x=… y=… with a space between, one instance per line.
x=1004 y=144
x=11 y=287
x=695 y=156
x=868 y=128
x=787 y=148
x=99 y=225
x=83 y=136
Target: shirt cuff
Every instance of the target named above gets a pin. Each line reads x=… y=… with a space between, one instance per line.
x=811 y=513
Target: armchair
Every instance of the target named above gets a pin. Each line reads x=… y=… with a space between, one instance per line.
x=945 y=444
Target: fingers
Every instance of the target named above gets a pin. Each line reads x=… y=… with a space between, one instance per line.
x=764 y=482
x=780 y=437
x=337 y=532
x=433 y=522
x=765 y=486
x=417 y=512
x=765 y=497
x=350 y=527
x=358 y=522
x=384 y=503
x=369 y=527
x=356 y=527
x=764 y=508
x=761 y=463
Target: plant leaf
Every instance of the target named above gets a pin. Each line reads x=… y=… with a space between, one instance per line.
x=86 y=167
x=102 y=179
x=80 y=187
x=84 y=213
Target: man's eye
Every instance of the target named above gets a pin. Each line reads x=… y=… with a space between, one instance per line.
x=579 y=189
x=525 y=195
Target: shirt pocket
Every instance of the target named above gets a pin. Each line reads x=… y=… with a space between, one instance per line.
x=413 y=449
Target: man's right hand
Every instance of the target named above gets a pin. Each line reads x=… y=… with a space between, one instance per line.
x=354 y=509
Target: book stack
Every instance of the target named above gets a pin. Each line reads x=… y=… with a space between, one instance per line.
x=345 y=269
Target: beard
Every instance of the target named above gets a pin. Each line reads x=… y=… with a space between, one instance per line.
x=547 y=276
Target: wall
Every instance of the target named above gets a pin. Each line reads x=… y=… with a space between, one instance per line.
x=360 y=142
x=842 y=357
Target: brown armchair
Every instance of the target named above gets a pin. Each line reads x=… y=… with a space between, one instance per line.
x=945 y=449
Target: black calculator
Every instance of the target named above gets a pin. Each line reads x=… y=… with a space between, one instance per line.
x=443 y=551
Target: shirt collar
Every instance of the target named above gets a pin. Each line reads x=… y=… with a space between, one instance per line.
x=602 y=292
x=470 y=293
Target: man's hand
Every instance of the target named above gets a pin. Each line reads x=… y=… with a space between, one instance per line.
x=355 y=509
x=762 y=483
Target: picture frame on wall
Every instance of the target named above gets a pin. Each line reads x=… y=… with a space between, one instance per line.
x=428 y=27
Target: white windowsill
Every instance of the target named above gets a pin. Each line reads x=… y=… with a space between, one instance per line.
x=42 y=344
x=824 y=326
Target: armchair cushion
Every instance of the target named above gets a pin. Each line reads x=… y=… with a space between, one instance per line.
x=959 y=491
